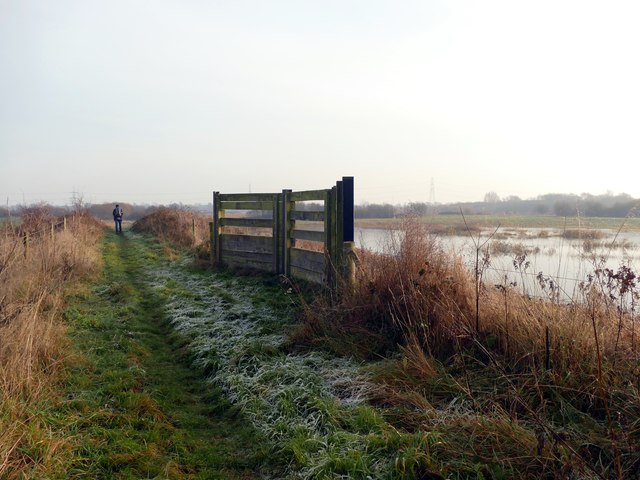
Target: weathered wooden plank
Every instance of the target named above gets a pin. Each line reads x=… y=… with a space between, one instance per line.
x=313 y=235
x=308 y=259
x=309 y=216
x=309 y=276
x=307 y=196
x=244 y=263
x=216 y=227
x=246 y=197
x=212 y=254
x=247 y=205
x=275 y=231
x=287 y=227
x=247 y=243
x=246 y=222
x=253 y=256
x=330 y=228
x=232 y=255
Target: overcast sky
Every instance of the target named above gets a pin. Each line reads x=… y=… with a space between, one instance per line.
x=164 y=101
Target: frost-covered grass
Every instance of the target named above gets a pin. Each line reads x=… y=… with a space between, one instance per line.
x=132 y=406
x=310 y=405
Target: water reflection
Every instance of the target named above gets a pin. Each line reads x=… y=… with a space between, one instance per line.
x=521 y=255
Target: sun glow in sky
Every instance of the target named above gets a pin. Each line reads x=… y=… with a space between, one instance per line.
x=164 y=101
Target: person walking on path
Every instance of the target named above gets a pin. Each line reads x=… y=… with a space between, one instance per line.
x=117 y=217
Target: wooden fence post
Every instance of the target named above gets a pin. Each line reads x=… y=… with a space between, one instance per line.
x=347 y=209
x=193 y=229
x=26 y=245
x=64 y=224
x=52 y=232
x=212 y=257
x=332 y=268
x=275 y=233
x=328 y=239
x=339 y=227
x=348 y=234
x=287 y=208
x=215 y=244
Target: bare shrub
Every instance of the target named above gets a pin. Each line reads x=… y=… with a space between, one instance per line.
x=527 y=356
x=32 y=341
x=175 y=225
x=413 y=290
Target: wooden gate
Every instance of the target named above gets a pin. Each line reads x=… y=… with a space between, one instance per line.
x=306 y=234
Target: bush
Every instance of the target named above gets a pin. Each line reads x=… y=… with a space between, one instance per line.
x=176 y=225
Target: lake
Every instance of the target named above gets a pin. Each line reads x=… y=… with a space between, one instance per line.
x=566 y=261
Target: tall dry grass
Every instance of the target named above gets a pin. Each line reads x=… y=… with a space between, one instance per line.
x=179 y=226
x=32 y=339
x=521 y=366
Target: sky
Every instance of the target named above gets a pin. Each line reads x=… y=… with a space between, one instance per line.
x=166 y=101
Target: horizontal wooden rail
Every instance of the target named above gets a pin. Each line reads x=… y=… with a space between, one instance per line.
x=246 y=197
x=308 y=196
x=313 y=235
x=308 y=216
x=246 y=205
x=308 y=275
x=245 y=222
x=247 y=243
x=279 y=251
x=307 y=259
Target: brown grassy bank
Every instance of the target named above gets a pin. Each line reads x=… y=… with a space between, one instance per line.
x=178 y=226
x=32 y=340
x=516 y=387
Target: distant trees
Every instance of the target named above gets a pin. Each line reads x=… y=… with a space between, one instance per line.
x=607 y=205
x=491 y=197
x=375 y=210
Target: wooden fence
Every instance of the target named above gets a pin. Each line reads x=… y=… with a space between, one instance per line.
x=307 y=235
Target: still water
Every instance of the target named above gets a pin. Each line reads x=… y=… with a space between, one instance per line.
x=520 y=255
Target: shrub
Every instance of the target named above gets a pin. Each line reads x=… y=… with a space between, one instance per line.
x=176 y=225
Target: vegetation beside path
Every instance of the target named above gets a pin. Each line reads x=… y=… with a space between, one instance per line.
x=422 y=370
x=134 y=407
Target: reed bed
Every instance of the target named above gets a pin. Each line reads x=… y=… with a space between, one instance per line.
x=33 y=274
x=516 y=386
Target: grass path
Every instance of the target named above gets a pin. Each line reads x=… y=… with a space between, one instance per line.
x=182 y=373
x=134 y=407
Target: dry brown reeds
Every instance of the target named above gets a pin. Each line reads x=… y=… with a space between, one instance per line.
x=413 y=290
x=520 y=361
x=179 y=226
x=32 y=277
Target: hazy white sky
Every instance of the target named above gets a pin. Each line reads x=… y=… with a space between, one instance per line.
x=165 y=101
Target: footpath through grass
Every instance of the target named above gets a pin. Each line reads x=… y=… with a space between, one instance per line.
x=134 y=406
x=186 y=373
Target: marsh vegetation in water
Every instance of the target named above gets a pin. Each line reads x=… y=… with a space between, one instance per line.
x=522 y=255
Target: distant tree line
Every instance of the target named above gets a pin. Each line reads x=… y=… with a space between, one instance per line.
x=99 y=210
x=565 y=205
